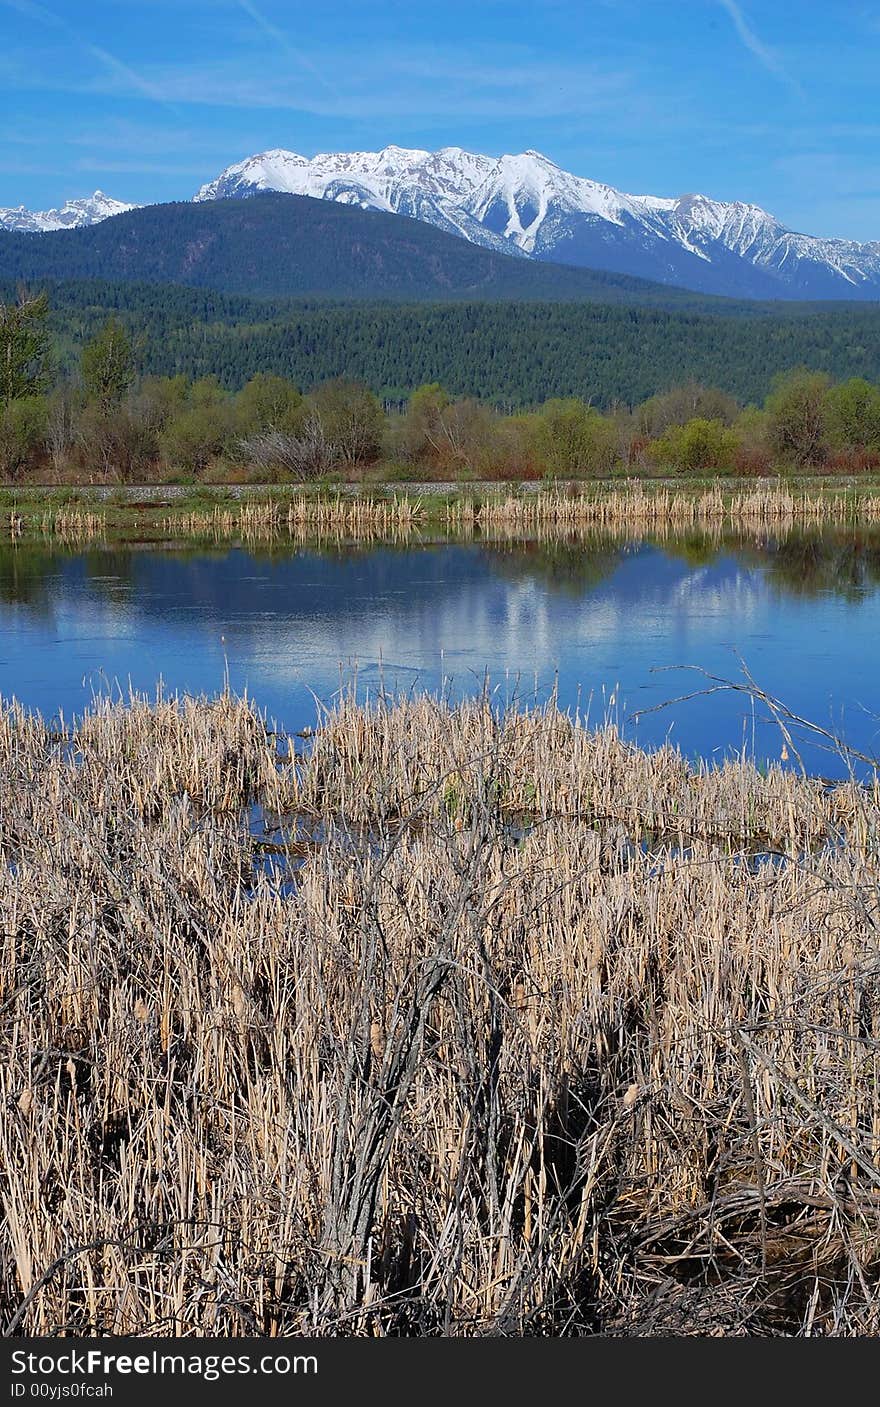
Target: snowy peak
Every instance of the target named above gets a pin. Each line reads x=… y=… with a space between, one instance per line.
x=739 y=225
x=526 y=205
x=89 y=210
x=424 y=185
x=377 y=175
x=517 y=194
x=522 y=192
x=275 y=170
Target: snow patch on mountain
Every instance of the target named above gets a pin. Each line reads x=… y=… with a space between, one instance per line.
x=424 y=185
x=527 y=204
x=520 y=192
x=90 y=210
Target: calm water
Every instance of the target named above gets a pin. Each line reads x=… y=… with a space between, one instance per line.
x=804 y=613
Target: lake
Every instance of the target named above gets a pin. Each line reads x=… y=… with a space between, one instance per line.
x=610 y=622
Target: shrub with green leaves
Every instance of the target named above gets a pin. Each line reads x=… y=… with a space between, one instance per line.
x=698 y=445
x=571 y=437
x=23 y=426
x=797 y=416
x=269 y=403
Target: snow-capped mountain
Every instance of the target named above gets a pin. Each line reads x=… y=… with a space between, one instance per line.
x=528 y=205
x=425 y=185
x=71 y=216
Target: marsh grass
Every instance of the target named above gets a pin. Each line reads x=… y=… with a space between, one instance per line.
x=492 y=1062
x=632 y=507
x=74 y=525
x=67 y=524
x=636 y=505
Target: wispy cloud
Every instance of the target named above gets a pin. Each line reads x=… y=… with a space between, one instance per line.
x=388 y=83
x=765 y=56
x=828 y=181
x=143 y=140
x=141 y=85
x=29 y=168
x=279 y=38
x=50 y=20
x=380 y=82
x=135 y=167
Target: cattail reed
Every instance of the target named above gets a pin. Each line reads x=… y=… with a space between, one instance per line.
x=630 y=507
x=74 y=525
x=538 y=1034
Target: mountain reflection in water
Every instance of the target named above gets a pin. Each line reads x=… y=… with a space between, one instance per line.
x=595 y=617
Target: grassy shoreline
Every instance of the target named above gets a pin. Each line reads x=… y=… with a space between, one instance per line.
x=145 y=512
x=549 y=1035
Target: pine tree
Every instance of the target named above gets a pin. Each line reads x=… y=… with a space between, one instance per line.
x=24 y=348
x=108 y=366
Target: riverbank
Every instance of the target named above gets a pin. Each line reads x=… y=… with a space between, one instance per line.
x=154 y=513
x=433 y=1022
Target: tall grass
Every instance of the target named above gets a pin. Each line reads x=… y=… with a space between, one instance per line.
x=69 y=525
x=543 y=1035
x=639 y=506
x=632 y=506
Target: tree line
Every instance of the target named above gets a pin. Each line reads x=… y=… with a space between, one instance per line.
x=108 y=420
x=515 y=355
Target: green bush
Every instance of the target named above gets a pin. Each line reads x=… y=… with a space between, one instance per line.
x=797 y=416
x=698 y=445
x=853 y=415
x=117 y=443
x=23 y=426
x=572 y=438
x=196 y=435
x=269 y=403
x=683 y=403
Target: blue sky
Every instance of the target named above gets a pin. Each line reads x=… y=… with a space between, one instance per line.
x=773 y=101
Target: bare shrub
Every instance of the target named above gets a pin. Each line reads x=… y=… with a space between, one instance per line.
x=304 y=456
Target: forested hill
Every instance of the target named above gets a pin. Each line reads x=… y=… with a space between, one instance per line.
x=292 y=246
x=511 y=353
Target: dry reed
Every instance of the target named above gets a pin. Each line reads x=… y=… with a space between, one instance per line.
x=73 y=525
x=541 y=1038
x=638 y=506
x=630 y=507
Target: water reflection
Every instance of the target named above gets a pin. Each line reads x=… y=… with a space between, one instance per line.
x=596 y=616
x=806 y=562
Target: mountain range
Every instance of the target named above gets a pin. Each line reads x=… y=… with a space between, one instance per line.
x=527 y=207
x=291 y=246
x=73 y=215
